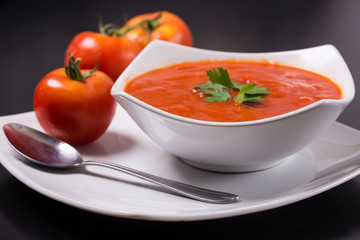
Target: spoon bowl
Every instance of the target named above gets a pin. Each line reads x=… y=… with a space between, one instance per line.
x=43 y=149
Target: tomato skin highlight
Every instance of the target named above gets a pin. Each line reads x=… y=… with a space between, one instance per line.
x=171 y=28
x=114 y=53
x=72 y=111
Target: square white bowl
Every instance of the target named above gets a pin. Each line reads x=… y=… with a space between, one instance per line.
x=219 y=146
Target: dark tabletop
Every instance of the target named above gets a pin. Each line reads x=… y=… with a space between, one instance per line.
x=33 y=39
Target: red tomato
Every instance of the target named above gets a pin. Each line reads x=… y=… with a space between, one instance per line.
x=114 y=53
x=74 y=111
x=168 y=27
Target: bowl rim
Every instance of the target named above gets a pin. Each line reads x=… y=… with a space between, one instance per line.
x=343 y=101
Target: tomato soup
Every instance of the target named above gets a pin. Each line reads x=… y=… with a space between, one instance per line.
x=172 y=89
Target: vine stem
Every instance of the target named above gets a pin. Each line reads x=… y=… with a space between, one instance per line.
x=112 y=30
x=73 y=70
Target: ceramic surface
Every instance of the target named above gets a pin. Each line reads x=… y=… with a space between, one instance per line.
x=219 y=146
x=330 y=160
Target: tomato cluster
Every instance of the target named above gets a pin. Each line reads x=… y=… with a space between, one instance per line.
x=117 y=47
x=74 y=103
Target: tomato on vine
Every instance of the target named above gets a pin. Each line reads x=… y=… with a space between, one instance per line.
x=113 y=53
x=74 y=105
x=116 y=47
x=161 y=25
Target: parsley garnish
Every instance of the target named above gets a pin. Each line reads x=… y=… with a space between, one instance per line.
x=220 y=83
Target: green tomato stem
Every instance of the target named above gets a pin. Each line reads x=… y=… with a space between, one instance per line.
x=112 y=30
x=73 y=70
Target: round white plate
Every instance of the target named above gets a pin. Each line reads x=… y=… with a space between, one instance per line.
x=326 y=163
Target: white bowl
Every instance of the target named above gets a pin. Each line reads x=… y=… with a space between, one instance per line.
x=221 y=146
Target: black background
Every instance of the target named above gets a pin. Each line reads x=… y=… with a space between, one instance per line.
x=33 y=39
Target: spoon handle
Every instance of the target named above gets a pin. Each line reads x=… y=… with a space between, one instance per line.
x=197 y=193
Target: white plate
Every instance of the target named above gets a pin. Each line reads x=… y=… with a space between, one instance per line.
x=326 y=163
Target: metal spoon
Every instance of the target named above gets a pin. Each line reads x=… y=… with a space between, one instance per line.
x=49 y=151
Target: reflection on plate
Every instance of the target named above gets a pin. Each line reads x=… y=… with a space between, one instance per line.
x=327 y=162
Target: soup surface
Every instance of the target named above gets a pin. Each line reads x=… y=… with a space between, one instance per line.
x=172 y=90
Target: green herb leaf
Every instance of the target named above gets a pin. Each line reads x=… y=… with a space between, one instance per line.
x=218 y=94
x=241 y=97
x=257 y=91
x=253 y=99
x=220 y=76
x=220 y=83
